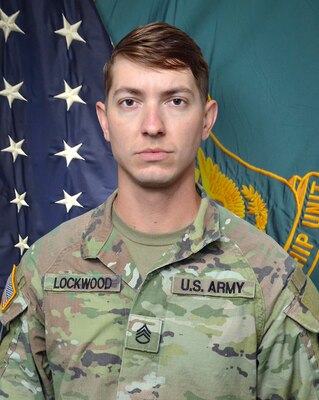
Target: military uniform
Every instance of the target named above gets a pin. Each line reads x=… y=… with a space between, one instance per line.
x=224 y=314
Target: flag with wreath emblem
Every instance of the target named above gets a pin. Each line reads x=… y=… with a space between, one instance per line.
x=261 y=160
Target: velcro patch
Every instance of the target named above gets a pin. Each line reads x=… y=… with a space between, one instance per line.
x=213 y=287
x=82 y=283
x=9 y=291
x=143 y=333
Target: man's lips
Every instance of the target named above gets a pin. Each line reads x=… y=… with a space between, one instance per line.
x=153 y=154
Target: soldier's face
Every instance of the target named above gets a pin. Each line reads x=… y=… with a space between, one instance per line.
x=154 y=120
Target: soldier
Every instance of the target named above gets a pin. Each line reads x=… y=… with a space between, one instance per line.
x=159 y=293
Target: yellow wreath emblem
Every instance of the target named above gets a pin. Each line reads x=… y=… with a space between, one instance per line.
x=224 y=190
x=256 y=206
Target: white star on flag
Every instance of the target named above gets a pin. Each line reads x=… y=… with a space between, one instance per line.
x=70 y=201
x=7 y=24
x=70 y=153
x=70 y=31
x=15 y=149
x=70 y=95
x=19 y=200
x=22 y=244
x=12 y=92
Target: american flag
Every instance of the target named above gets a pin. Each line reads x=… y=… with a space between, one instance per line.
x=54 y=161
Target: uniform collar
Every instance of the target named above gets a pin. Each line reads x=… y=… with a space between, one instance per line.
x=98 y=229
x=205 y=229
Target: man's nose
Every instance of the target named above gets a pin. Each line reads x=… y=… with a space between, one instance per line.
x=153 y=123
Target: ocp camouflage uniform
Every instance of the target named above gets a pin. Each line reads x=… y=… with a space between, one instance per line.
x=224 y=315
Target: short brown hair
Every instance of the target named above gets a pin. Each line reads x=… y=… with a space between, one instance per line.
x=161 y=46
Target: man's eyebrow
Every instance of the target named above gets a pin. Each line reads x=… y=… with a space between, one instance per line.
x=127 y=90
x=177 y=90
x=169 y=92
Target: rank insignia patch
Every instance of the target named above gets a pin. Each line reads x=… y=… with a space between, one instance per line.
x=9 y=291
x=143 y=335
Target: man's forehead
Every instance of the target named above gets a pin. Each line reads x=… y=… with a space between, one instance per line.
x=124 y=70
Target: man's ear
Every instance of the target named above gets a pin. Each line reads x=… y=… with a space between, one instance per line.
x=211 y=110
x=101 y=114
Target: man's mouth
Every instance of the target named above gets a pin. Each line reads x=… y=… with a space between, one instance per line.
x=153 y=154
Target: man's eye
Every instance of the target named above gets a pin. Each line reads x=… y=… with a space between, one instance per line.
x=128 y=102
x=178 y=101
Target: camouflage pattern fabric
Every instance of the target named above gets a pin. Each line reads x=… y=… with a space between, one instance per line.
x=225 y=314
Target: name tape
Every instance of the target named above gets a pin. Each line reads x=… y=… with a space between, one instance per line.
x=82 y=283
x=213 y=287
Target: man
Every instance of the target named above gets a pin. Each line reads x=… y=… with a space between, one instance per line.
x=159 y=293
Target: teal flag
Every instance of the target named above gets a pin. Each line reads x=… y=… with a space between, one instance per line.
x=262 y=159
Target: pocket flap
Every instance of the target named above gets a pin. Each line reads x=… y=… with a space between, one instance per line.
x=304 y=313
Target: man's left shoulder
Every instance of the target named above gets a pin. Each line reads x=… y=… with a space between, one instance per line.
x=254 y=244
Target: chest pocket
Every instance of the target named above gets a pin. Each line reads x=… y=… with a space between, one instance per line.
x=212 y=323
x=86 y=317
x=220 y=313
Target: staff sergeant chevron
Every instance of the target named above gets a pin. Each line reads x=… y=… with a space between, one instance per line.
x=143 y=335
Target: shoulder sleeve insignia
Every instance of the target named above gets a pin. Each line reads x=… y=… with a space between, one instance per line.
x=9 y=291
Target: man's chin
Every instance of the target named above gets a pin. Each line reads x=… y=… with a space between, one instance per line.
x=154 y=182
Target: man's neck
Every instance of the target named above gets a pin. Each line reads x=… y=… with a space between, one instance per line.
x=157 y=210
